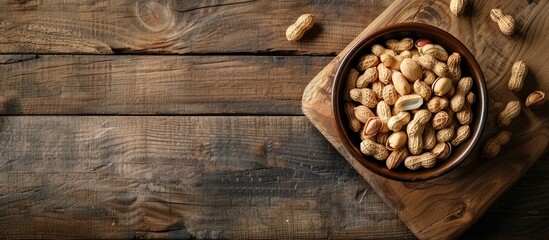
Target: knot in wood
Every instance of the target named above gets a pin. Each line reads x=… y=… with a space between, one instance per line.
x=155 y=15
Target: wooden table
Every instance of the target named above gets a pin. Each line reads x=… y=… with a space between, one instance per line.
x=183 y=119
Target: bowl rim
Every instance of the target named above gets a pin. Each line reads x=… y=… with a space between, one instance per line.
x=482 y=98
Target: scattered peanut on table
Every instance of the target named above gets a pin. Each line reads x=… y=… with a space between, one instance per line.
x=458 y=6
x=510 y=112
x=493 y=145
x=301 y=25
x=506 y=23
x=518 y=73
x=535 y=99
x=413 y=105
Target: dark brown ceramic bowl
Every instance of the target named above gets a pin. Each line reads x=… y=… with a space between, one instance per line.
x=469 y=67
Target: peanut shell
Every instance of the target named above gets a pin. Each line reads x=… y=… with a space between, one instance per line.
x=396 y=158
x=535 y=99
x=301 y=25
x=371 y=148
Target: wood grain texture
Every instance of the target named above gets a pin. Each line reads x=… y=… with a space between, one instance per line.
x=447 y=206
x=522 y=212
x=166 y=26
x=137 y=85
x=181 y=177
x=208 y=177
x=222 y=177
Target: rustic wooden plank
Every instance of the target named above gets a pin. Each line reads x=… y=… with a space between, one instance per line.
x=107 y=84
x=165 y=26
x=445 y=207
x=522 y=212
x=181 y=176
x=224 y=177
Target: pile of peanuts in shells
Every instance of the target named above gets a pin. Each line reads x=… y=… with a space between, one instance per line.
x=409 y=103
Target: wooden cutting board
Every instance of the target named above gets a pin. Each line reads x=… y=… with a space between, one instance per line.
x=445 y=207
